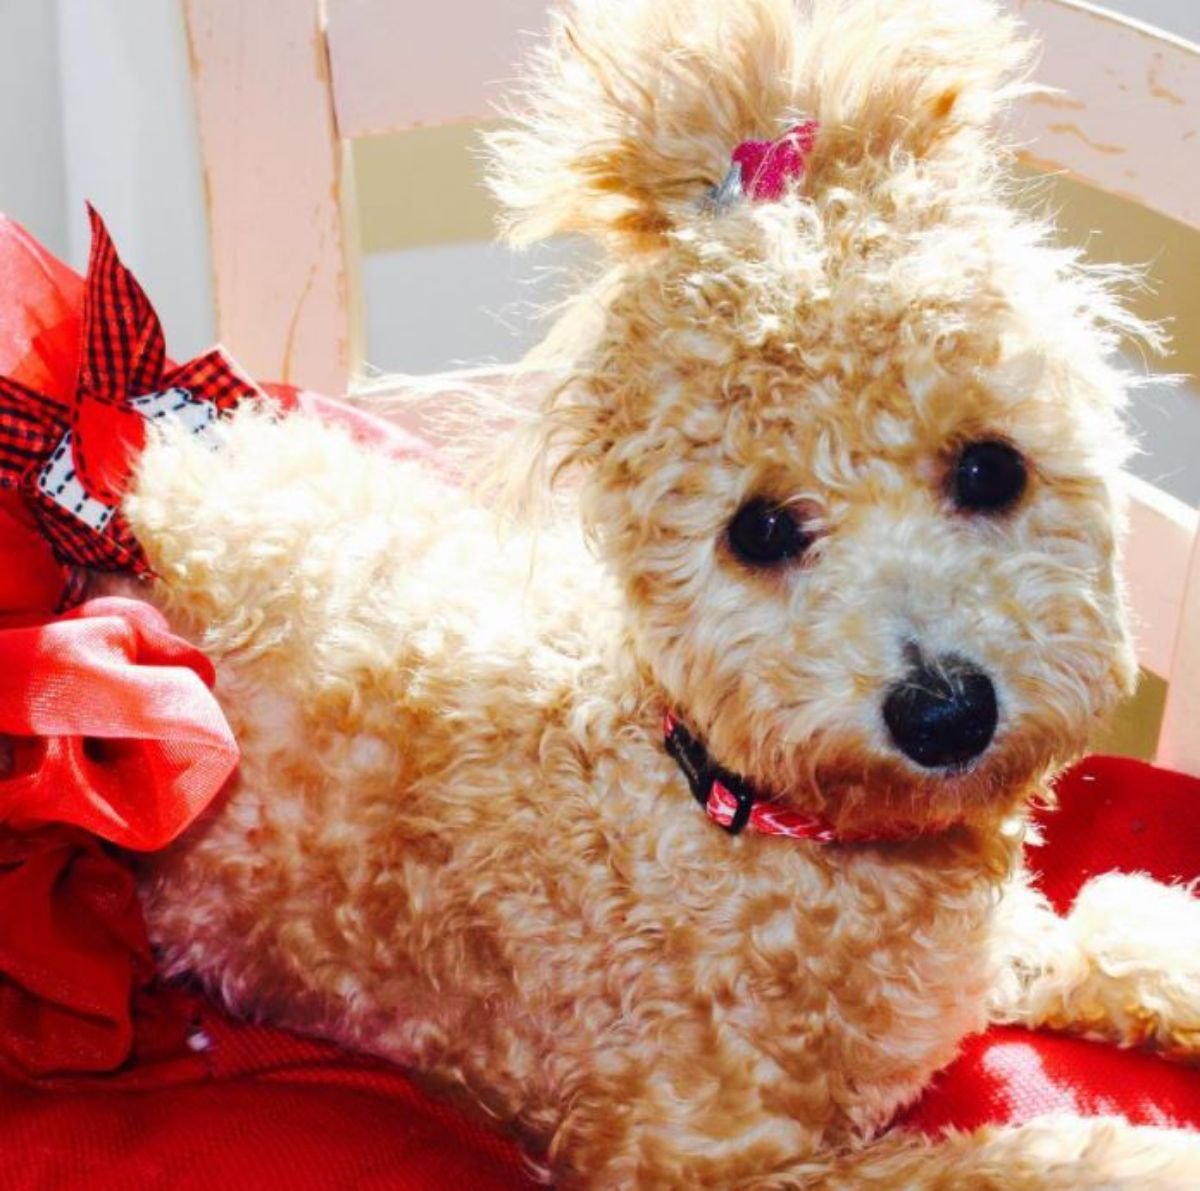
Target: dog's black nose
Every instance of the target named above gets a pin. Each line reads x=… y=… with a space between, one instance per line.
x=942 y=714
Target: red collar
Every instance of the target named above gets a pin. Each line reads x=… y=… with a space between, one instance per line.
x=728 y=800
x=731 y=803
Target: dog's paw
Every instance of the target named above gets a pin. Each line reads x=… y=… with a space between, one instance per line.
x=1141 y=940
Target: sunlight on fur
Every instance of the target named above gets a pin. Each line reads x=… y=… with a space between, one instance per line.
x=836 y=487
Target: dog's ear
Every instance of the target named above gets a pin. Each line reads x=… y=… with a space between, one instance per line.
x=903 y=81
x=632 y=108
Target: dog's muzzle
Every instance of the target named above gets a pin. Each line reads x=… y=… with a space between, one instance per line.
x=943 y=714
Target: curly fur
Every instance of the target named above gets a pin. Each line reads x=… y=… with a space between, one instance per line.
x=455 y=839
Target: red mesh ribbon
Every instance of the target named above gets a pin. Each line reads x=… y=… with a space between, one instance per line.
x=69 y=456
x=107 y=726
x=108 y=729
x=111 y=726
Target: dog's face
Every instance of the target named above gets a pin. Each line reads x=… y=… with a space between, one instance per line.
x=859 y=498
x=851 y=454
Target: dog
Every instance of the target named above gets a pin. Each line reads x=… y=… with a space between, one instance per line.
x=682 y=831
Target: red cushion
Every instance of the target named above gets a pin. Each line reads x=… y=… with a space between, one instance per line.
x=1011 y=1075
x=254 y=1107
x=1115 y=814
x=1118 y=815
x=245 y=1134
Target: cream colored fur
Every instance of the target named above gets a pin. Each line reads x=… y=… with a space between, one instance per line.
x=455 y=838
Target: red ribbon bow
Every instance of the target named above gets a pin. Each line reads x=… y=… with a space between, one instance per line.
x=71 y=459
x=107 y=726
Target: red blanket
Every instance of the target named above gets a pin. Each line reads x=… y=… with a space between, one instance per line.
x=108 y=731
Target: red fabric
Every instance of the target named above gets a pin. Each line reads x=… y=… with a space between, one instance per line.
x=40 y=311
x=108 y=729
x=31 y=578
x=1118 y=815
x=247 y=1106
x=112 y=725
x=251 y=1134
x=40 y=315
x=1012 y=1075
x=71 y=959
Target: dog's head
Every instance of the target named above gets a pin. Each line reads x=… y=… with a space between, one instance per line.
x=851 y=449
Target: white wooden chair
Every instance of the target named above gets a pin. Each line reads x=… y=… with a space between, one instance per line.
x=281 y=86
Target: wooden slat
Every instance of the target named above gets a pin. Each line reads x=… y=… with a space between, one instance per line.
x=399 y=64
x=1179 y=741
x=1159 y=543
x=273 y=172
x=1128 y=120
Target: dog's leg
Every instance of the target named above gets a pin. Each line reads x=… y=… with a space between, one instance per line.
x=1124 y=965
x=1051 y=1153
x=1046 y=1154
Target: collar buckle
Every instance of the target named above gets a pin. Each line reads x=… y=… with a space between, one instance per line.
x=743 y=800
x=711 y=786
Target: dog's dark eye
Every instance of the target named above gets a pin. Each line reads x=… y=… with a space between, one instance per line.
x=764 y=534
x=989 y=477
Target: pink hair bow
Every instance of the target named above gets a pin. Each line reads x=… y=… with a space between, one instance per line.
x=763 y=170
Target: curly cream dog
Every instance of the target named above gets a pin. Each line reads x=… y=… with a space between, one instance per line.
x=846 y=465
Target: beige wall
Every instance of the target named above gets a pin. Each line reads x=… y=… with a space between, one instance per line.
x=32 y=177
x=97 y=107
x=422 y=188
